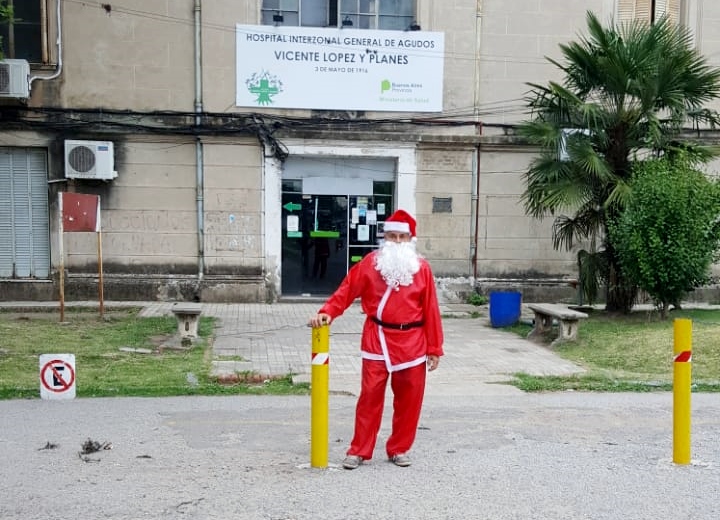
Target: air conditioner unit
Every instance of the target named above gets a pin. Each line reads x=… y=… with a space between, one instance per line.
x=565 y=134
x=14 y=79
x=89 y=160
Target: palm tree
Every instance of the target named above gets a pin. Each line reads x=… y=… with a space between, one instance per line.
x=627 y=92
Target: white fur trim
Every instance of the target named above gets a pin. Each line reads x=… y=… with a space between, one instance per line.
x=409 y=364
x=371 y=356
x=397 y=226
x=381 y=333
x=393 y=368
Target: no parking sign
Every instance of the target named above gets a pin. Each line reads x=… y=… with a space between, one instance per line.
x=57 y=376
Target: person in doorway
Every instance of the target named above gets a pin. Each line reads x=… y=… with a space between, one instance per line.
x=322 y=253
x=402 y=338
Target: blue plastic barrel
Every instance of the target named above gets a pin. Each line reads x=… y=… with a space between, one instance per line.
x=504 y=308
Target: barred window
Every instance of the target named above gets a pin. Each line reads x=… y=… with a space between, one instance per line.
x=358 y=14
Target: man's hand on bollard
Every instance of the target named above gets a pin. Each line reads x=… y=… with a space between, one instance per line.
x=319 y=320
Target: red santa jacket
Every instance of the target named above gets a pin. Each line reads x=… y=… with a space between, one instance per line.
x=416 y=303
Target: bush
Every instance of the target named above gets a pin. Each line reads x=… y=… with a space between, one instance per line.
x=669 y=233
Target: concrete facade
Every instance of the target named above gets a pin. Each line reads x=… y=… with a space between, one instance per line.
x=194 y=212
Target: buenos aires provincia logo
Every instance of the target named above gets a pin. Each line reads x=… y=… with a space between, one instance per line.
x=264 y=85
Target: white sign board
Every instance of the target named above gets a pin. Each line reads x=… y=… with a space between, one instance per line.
x=339 y=69
x=57 y=376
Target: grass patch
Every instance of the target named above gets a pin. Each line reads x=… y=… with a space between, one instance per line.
x=477 y=299
x=103 y=369
x=520 y=328
x=230 y=358
x=632 y=353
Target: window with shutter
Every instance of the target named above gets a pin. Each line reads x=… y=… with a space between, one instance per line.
x=643 y=10
x=625 y=10
x=670 y=8
x=24 y=222
x=649 y=10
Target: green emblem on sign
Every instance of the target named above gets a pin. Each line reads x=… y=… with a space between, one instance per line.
x=265 y=86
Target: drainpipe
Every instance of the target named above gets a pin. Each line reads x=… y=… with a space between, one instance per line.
x=58 y=69
x=475 y=208
x=199 y=163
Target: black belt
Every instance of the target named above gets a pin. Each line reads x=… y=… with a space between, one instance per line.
x=398 y=326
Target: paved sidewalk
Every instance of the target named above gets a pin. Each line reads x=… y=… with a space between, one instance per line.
x=275 y=340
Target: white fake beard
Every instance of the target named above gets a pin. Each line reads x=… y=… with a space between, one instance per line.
x=397 y=262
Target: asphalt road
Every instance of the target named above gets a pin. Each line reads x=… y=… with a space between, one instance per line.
x=553 y=456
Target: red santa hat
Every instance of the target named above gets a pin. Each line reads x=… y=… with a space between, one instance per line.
x=401 y=222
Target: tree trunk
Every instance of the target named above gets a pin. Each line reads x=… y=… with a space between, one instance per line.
x=620 y=291
x=664 y=310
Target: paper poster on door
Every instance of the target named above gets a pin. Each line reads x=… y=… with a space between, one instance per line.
x=363 y=233
x=381 y=209
x=371 y=217
x=293 y=226
x=354 y=216
x=293 y=223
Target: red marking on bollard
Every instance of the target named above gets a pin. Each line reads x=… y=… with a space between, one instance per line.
x=684 y=357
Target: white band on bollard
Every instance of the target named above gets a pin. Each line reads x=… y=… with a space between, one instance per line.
x=320 y=358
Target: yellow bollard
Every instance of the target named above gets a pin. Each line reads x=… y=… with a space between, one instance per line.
x=319 y=392
x=682 y=372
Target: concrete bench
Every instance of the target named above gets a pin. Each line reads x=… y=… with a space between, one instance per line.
x=568 y=319
x=188 y=316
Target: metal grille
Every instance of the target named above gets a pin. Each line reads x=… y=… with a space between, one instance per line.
x=82 y=159
x=4 y=78
x=442 y=204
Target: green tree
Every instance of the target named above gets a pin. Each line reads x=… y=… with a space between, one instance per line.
x=669 y=234
x=6 y=14
x=627 y=91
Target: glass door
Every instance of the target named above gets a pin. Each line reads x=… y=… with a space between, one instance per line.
x=367 y=217
x=314 y=243
x=323 y=236
x=363 y=229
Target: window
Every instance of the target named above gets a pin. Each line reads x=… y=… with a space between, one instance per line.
x=649 y=10
x=24 y=221
x=22 y=35
x=358 y=14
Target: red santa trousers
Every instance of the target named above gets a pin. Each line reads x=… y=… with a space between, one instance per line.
x=408 y=388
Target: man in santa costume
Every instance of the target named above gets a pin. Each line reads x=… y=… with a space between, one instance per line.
x=402 y=338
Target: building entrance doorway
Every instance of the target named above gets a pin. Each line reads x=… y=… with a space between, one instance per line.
x=323 y=236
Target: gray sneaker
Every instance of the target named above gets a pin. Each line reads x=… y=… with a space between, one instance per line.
x=401 y=460
x=352 y=462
